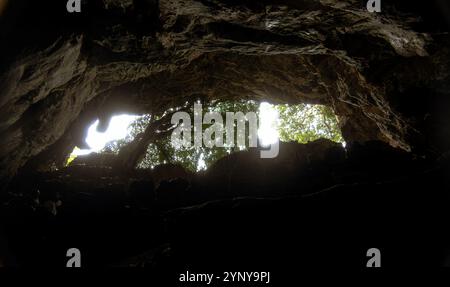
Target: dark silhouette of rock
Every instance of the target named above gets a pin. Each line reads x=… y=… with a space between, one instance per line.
x=288 y=173
x=315 y=200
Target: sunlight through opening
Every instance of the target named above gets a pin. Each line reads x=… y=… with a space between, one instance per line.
x=118 y=128
x=300 y=123
x=268 y=124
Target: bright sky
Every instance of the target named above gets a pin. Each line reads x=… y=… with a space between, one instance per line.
x=117 y=129
x=268 y=123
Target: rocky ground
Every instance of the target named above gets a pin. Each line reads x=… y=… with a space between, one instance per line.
x=319 y=213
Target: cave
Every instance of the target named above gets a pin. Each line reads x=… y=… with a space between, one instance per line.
x=383 y=75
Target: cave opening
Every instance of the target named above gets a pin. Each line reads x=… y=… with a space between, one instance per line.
x=118 y=129
x=301 y=123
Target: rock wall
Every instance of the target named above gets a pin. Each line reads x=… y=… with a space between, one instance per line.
x=385 y=74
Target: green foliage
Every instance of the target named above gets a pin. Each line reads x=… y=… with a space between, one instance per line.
x=195 y=158
x=301 y=123
x=304 y=123
x=191 y=158
x=162 y=151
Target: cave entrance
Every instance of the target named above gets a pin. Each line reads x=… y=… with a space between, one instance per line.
x=120 y=128
x=145 y=142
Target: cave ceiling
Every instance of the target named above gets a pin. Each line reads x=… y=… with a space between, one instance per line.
x=385 y=74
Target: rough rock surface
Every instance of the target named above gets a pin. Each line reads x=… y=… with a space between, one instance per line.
x=375 y=195
x=386 y=75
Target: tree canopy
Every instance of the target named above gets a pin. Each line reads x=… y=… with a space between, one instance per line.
x=301 y=123
x=304 y=123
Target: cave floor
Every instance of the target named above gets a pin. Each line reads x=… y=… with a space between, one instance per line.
x=361 y=207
